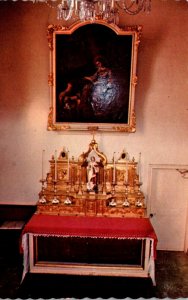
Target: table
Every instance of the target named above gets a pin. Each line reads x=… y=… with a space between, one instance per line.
x=93 y=228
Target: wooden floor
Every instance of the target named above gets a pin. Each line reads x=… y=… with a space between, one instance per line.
x=171 y=276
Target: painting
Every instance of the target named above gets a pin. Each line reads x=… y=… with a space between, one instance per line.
x=93 y=77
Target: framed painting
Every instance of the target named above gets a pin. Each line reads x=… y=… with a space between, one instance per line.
x=93 y=77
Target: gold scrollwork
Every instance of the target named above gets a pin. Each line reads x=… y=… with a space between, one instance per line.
x=50 y=31
x=134 y=80
x=50 y=79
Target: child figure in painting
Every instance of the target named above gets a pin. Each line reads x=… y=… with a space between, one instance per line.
x=69 y=100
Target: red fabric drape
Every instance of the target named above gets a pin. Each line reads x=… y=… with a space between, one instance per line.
x=95 y=227
x=90 y=226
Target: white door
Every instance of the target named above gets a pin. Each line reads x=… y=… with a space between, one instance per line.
x=167 y=206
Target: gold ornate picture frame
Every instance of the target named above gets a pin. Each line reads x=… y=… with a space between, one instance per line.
x=93 y=77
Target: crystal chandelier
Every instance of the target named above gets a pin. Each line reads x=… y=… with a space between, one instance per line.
x=107 y=10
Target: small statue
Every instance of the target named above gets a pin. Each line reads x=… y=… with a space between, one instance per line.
x=92 y=174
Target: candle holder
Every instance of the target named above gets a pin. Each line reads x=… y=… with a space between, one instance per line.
x=126 y=187
x=104 y=189
x=138 y=184
x=68 y=201
x=113 y=188
x=68 y=187
x=42 y=199
x=80 y=189
x=72 y=189
x=104 y=185
x=55 y=200
x=138 y=203
x=80 y=185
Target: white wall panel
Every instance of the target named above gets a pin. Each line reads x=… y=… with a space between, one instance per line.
x=167 y=202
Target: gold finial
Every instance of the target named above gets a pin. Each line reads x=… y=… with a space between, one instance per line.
x=93 y=135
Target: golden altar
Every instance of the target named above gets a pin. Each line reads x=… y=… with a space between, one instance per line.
x=92 y=185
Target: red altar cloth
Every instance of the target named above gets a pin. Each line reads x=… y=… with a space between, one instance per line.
x=94 y=227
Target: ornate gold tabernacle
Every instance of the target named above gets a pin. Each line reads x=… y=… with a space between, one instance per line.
x=91 y=186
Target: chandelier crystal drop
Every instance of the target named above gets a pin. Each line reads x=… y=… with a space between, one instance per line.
x=107 y=10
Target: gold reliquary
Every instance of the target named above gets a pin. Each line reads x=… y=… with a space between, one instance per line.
x=92 y=186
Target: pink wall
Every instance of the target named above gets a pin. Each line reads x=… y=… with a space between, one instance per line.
x=161 y=96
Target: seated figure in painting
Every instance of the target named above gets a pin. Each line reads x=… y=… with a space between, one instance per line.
x=102 y=90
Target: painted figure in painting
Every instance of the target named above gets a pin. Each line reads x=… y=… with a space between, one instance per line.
x=101 y=90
